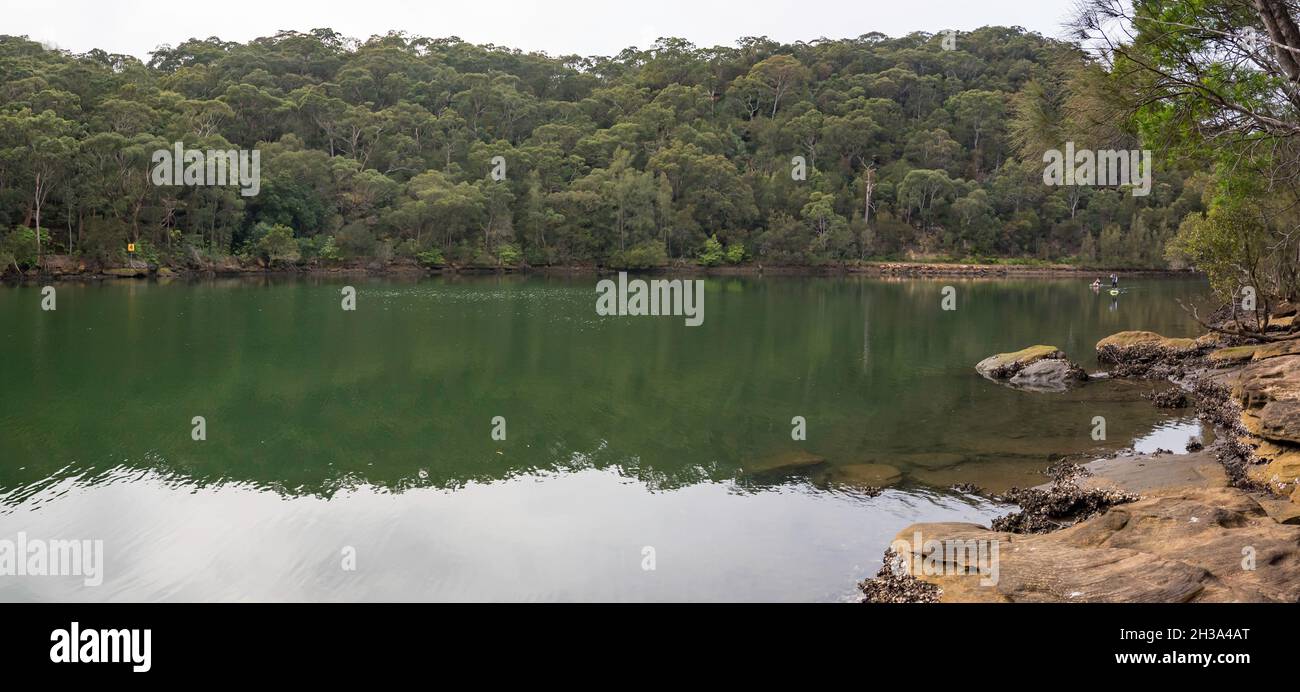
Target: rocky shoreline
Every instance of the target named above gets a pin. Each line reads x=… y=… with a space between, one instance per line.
x=65 y=268
x=1220 y=523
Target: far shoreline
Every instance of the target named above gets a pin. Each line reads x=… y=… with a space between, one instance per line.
x=410 y=269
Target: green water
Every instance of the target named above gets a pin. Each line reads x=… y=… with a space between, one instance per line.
x=371 y=431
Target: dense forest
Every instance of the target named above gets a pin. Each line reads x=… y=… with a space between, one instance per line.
x=924 y=146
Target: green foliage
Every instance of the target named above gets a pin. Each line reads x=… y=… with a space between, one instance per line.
x=146 y=252
x=19 y=246
x=509 y=254
x=431 y=258
x=385 y=147
x=328 y=250
x=735 y=253
x=712 y=255
x=277 y=244
x=647 y=255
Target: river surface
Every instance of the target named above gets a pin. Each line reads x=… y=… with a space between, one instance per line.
x=351 y=455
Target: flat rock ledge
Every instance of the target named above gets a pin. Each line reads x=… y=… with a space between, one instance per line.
x=1141 y=354
x=1179 y=545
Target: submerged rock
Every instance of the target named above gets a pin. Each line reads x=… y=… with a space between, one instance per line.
x=787 y=462
x=865 y=475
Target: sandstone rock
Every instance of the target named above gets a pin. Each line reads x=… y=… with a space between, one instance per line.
x=1282 y=324
x=1209 y=340
x=1280 y=421
x=1048 y=375
x=1004 y=365
x=1262 y=381
x=1146 y=354
x=1232 y=354
x=1177 y=545
x=787 y=462
x=126 y=272
x=1281 y=511
x=930 y=460
x=865 y=475
x=1281 y=473
x=1123 y=342
x=1277 y=348
x=59 y=265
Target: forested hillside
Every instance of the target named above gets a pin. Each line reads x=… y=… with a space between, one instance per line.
x=384 y=148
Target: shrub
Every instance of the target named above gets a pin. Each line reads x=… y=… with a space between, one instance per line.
x=431 y=258
x=642 y=256
x=329 y=251
x=735 y=253
x=20 y=246
x=713 y=254
x=509 y=254
x=278 y=245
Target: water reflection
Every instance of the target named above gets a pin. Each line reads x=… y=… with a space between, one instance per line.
x=372 y=429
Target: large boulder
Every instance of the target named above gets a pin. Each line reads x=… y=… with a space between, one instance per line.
x=1038 y=368
x=1004 y=365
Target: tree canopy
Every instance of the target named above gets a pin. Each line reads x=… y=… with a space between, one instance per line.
x=386 y=147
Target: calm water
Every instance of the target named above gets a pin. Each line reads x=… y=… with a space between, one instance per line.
x=370 y=431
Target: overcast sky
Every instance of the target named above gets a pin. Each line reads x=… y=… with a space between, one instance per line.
x=559 y=27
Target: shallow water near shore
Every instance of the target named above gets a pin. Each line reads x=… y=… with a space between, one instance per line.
x=371 y=430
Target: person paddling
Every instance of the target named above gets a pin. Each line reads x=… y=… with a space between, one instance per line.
x=1096 y=284
x=1114 y=281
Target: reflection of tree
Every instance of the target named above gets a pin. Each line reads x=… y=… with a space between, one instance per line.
x=302 y=398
